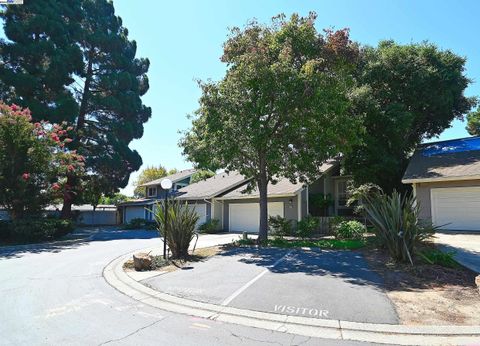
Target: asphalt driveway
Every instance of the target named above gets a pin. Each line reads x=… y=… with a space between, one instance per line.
x=320 y=283
x=465 y=245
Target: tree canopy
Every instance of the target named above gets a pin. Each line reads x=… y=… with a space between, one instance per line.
x=201 y=174
x=73 y=61
x=282 y=107
x=473 y=122
x=407 y=93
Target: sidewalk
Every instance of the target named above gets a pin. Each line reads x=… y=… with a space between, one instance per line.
x=465 y=245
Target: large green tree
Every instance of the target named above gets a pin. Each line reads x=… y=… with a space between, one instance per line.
x=473 y=122
x=282 y=107
x=84 y=70
x=407 y=93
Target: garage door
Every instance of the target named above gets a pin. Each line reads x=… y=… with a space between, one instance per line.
x=246 y=216
x=456 y=208
x=134 y=213
x=201 y=210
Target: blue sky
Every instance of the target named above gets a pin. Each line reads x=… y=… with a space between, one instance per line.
x=183 y=40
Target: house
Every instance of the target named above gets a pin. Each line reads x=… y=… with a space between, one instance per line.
x=445 y=177
x=225 y=197
x=143 y=207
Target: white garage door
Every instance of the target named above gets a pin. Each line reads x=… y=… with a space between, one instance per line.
x=201 y=210
x=246 y=216
x=456 y=208
x=134 y=213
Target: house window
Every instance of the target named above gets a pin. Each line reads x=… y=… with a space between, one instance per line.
x=342 y=194
x=179 y=186
x=152 y=192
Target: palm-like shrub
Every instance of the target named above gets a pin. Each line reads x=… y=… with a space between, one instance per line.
x=181 y=222
x=396 y=222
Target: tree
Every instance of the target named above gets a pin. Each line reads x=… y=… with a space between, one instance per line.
x=115 y=199
x=34 y=162
x=473 y=122
x=148 y=174
x=97 y=69
x=408 y=93
x=202 y=174
x=282 y=107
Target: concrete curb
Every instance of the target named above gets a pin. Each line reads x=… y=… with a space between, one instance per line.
x=312 y=327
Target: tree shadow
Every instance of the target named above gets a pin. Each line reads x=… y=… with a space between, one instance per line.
x=347 y=265
x=77 y=238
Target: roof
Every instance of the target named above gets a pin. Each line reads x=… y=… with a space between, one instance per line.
x=457 y=159
x=140 y=201
x=283 y=187
x=173 y=177
x=82 y=207
x=212 y=186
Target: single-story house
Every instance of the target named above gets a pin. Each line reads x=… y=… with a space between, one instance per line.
x=445 y=177
x=143 y=207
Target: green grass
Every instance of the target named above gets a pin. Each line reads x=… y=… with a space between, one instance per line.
x=435 y=256
x=344 y=244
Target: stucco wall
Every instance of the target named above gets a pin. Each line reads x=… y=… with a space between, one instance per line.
x=290 y=211
x=423 y=194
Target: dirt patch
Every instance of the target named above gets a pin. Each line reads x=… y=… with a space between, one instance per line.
x=428 y=294
x=159 y=264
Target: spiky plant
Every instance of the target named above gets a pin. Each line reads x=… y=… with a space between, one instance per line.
x=181 y=224
x=397 y=223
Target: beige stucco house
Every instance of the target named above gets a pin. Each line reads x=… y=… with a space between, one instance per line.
x=445 y=177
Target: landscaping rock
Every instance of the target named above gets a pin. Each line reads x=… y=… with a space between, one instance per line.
x=142 y=261
x=477 y=281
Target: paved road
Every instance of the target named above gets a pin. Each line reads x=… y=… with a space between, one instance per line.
x=320 y=283
x=54 y=294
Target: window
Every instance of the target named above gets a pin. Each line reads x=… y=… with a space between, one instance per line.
x=342 y=194
x=151 y=192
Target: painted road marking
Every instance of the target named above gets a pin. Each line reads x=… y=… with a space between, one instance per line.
x=251 y=282
x=301 y=311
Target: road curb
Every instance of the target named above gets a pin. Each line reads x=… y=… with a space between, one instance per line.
x=312 y=327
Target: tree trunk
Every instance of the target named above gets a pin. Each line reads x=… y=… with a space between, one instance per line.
x=262 y=189
x=71 y=181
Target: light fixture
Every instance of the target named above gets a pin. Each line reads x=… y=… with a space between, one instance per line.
x=166 y=184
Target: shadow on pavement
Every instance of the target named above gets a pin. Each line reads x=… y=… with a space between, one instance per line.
x=350 y=266
x=76 y=239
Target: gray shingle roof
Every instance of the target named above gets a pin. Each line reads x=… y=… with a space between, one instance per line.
x=211 y=187
x=459 y=158
x=173 y=177
x=283 y=188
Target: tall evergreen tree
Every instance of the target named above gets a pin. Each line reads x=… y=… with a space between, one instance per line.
x=102 y=83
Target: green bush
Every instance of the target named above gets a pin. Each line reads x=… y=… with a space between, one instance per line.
x=307 y=227
x=211 y=226
x=435 y=256
x=181 y=226
x=32 y=230
x=136 y=223
x=396 y=222
x=349 y=230
x=279 y=226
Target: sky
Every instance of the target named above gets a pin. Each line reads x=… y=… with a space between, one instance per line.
x=183 y=40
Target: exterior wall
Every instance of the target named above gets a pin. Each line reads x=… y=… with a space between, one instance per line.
x=217 y=213
x=290 y=210
x=423 y=194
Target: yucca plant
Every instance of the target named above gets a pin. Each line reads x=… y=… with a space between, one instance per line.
x=396 y=222
x=181 y=222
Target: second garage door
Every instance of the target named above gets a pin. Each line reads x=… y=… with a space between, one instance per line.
x=456 y=208
x=246 y=216
x=201 y=210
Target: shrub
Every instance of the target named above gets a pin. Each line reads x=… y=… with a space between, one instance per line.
x=210 y=226
x=32 y=230
x=435 y=256
x=396 y=222
x=136 y=223
x=279 y=226
x=307 y=227
x=181 y=222
x=349 y=230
